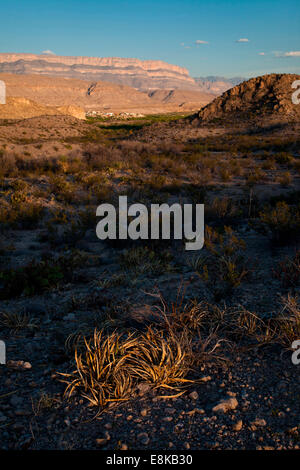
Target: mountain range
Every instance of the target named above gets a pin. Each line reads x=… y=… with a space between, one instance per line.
x=142 y=75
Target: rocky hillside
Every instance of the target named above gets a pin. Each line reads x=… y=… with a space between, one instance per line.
x=182 y=98
x=19 y=108
x=268 y=95
x=142 y=75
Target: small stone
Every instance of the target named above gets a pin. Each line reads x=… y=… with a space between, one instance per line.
x=186 y=445
x=194 y=395
x=19 y=365
x=257 y=423
x=168 y=419
x=144 y=412
x=206 y=378
x=225 y=405
x=124 y=446
x=199 y=411
x=101 y=442
x=170 y=411
x=238 y=425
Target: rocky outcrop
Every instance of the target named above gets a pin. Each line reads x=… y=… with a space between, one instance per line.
x=268 y=95
x=184 y=99
x=142 y=75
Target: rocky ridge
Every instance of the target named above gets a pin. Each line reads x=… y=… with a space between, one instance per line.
x=268 y=95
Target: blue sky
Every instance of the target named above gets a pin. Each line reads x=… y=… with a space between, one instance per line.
x=162 y=29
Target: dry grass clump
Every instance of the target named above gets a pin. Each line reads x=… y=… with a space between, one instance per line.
x=111 y=365
x=102 y=371
x=288 y=322
x=144 y=260
x=44 y=403
x=162 y=359
x=16 y=321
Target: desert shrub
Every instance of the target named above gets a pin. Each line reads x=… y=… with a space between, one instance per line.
x=64 y=190
x=269 y=164
x=255 y=176
x=16 y=321
x=225 y=173
x=38 y=276
x=67 y=236
x=281 y=221
x=20 y=211
x=222 y=208
x=222 y=264
x=143 y=260
x=285 y=179
x=283 y=158
x=100 y=157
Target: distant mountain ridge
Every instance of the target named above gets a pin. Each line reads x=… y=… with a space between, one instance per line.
x=143 y=75
x=217 y=85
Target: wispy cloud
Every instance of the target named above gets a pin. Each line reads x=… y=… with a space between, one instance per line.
x=48 y=52
x=286 y=54
x=197 y=43
x=292 y=54
x=242 y=40
x=261 y=53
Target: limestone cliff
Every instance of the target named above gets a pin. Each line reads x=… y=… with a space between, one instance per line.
x=143 y=75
